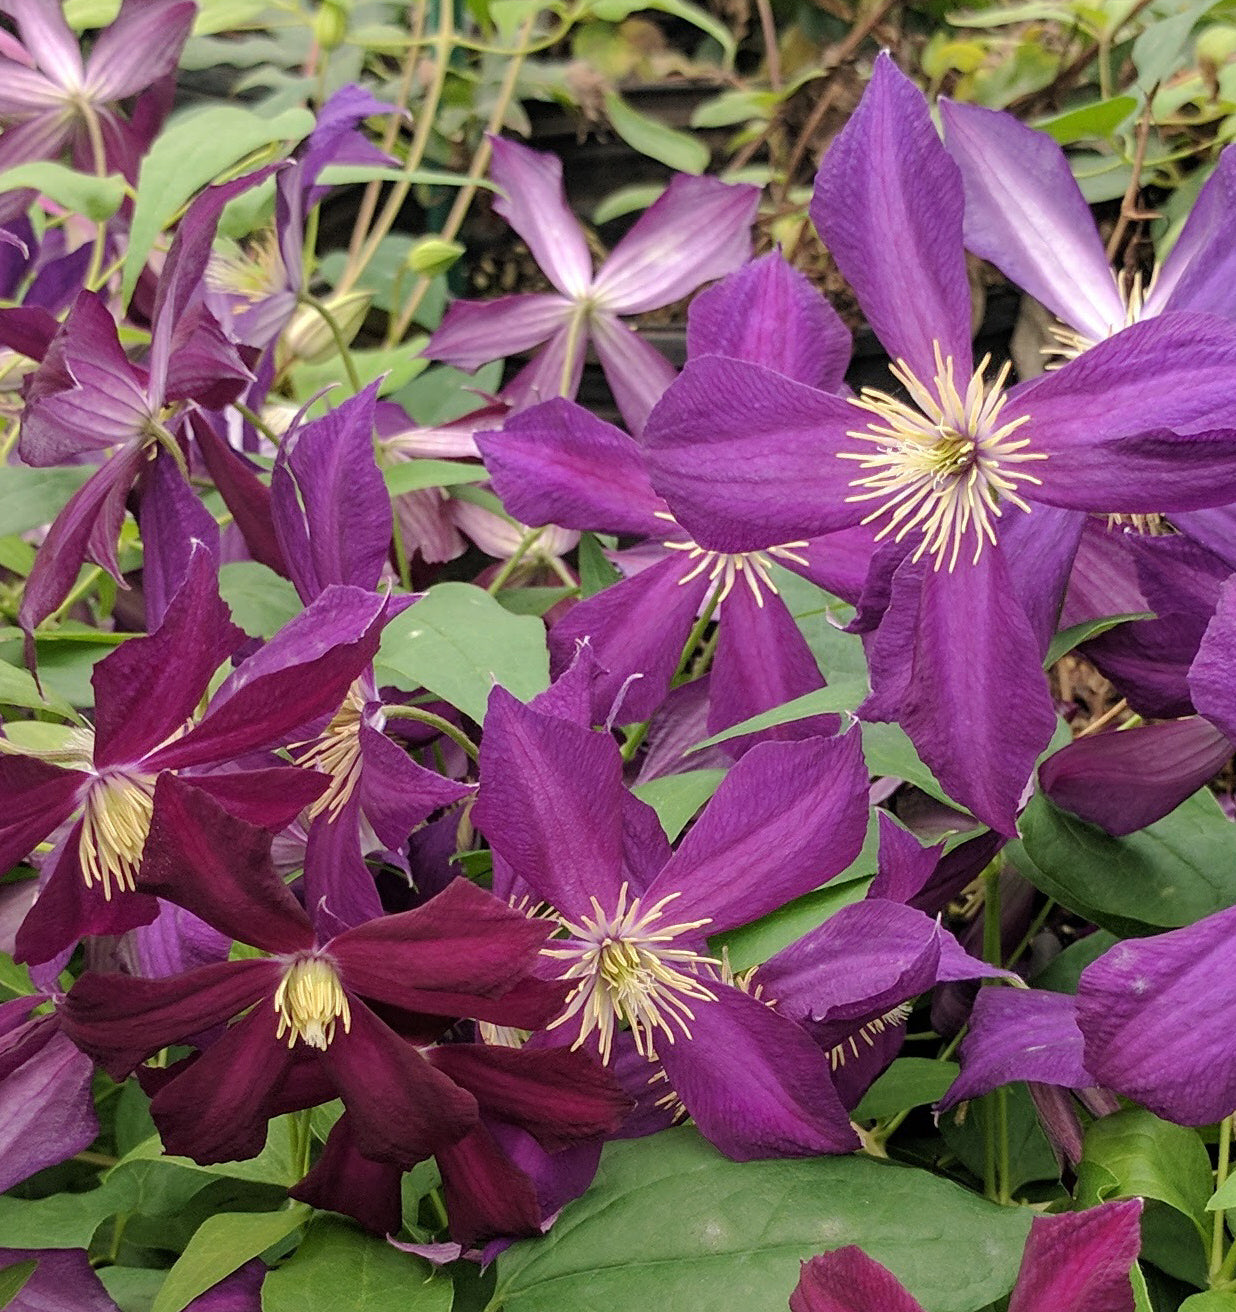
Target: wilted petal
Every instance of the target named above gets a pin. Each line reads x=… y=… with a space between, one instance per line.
x=888 y=172
x=534 y=204
x=1025 y=214
x=1125 y=780
x=473 y=333
x=847 y=1280
x=1080 y=1261
x=637 y=372
x=768 y=312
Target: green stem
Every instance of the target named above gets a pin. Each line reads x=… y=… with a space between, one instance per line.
x=996 y=1145
x=443 y=726
x=251 y=416
x=341 y=345
x=401 y=552
x=526 y=543
x=1225 y=1157
x=1039 y=921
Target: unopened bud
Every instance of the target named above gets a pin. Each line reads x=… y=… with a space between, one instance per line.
x=1215 y=46
x=309 y=338
x=433 y=255
x=330 y=24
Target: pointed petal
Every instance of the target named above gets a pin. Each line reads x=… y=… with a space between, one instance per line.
x=534 y=204
x=1025 y=213
x=174 y=522
x=1080 y=1261
x=487 y=1195
x=1200 y=271
x=847 y=1280
x=218 y=867
x=1130 y=1005
x=342 y=1180
x=636 y=371
x=1126 y=780
x=140 y=47
x=557 y=464
x=747 y=457
x=768 y=313
x=271 y=798
x=551 y=803
x=473 y=333
x=396 y=794
x=786 y=819
x=888 y=172
x=339 y=888
x=555 y=370
x=754 y=1083
x=48 y=37
x=1210 y=679
x=1038 y=551
x=63 y=1277
x=905 y=865
x=39 y=798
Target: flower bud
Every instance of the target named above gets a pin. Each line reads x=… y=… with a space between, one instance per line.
x=433 y=255
x=308 y=337
x=330 y=24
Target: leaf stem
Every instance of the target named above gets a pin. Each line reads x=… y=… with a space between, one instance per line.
x=443 y=726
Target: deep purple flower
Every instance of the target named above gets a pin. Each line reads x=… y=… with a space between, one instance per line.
x=634 y=917
x=1074 y=1262
x=697 y=231
x=51 y=100
x=969 y=484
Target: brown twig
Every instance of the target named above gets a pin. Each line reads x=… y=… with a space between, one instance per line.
x=772 y=52
x=1128 y=204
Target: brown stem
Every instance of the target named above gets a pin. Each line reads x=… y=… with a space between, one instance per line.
x=1128 y=205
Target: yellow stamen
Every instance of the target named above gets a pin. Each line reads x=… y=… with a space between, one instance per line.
x=867 y=1033
x=115 y=825
x=338 y=754
x=724 y=568
x=309 y=1001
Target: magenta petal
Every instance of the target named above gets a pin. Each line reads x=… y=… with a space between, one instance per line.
x=487 y=1195
x=699 y=229
x=338 y=885
x=473 y=333
x=1210 y=679
x=636 y=629
x=141 y=46
x=847 y=1280
x=120 y=1019
x=887 y=172
x=1200 y=270
x=1025 y=214
x=534 y=204
x=218 y=867
x=269 y=798
x=402 y=1108
x=445 y=957
x=787 y=818
x=747 y=458
x=905 y=865
x=62 y=1279
x=557 y=464
x=1020 y=1034
x=1157 y=1015
x=39 y=797
x=754 y=1082
x=395 y=793
x=551 y=804
x=216 y=1108
x=768 y=313
x=637 y=373
x=342 y=1180
x=762 y=661
x=1126 y=780
x=1080 y=1261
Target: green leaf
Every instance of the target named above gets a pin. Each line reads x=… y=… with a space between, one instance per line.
x=677 y=797
x=649 y=136
x=340 y=1266
x=1210 y=1300
x=15 y=980
x=132 y=1288
x=32 y=497
x=626 y=200
x=737 y=1231
x=842 y=696
x=1099 y=119
x=262 y=601
x=62 y=1220
x=596 y=572
x=614 y=11
x=532 y=601
x=1076 y=634
x=82 y=193
x=1147 y=1158
x=1158 y=49
x=1030 y=1155
x=18 y=688
x=13 y=1279
x=340 y=174
x=187 y=155
x=415 y=475
x=222 y=1244
x=734 y=107
x=457 y=642
x=890 y=752
x=1167 y=875
x=908 y=1082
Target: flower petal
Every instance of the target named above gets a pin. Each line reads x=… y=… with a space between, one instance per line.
x=473 y=333
x=847 y=1280
x=39 y=798
x=1210 y=679
x=637 y=373
x=1080 y=1261
x=140 y=47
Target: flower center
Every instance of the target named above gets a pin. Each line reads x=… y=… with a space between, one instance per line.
x=309 y=1000
x=725 y=568
x=627 y=971
x=251 y=273
x=944 y=469
x=867 y=1033
x=1069 y=343
x=115 y=824
x=337 y=753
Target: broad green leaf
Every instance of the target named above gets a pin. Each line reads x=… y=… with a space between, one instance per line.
x=1076 y=634
x=1210 y=1300
x=18 y=688
x=262 y=601
x=61 y=1220
x=226 y=15
x=842 y=696
x=1099 y=119
x=442 y=394
x=132 y=1288
x=458 y=642
x=32 y=497
x=15 y=980
x=596 y=572
x=194 y=150
x=614 y=11
x=222 y=1244
x=1169 y=874
x=83 y=193
x=339 y=1266
x=1030 y=1155
x=396 y=366
x=415 y=475
x=13 y=1279
x=81 y=14
x=890 y=752
x=677 y=797
x=273 y=1165
x=670 y=1224
x=733 y=107
x=532 y=601
x=1147 y=1158
x=908 y=1082
x=1157 y=51
x=1062 y=972
x=678 y=150
x=626 y=200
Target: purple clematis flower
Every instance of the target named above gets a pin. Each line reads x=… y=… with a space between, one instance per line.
x=147 y=692
x=967 y=482
x=1074 y=1262
x=309 y=1030
x=634 y=917
x=697 y=231
x=52 y=100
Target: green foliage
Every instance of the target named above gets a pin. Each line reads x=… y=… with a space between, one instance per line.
x=677 y=797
